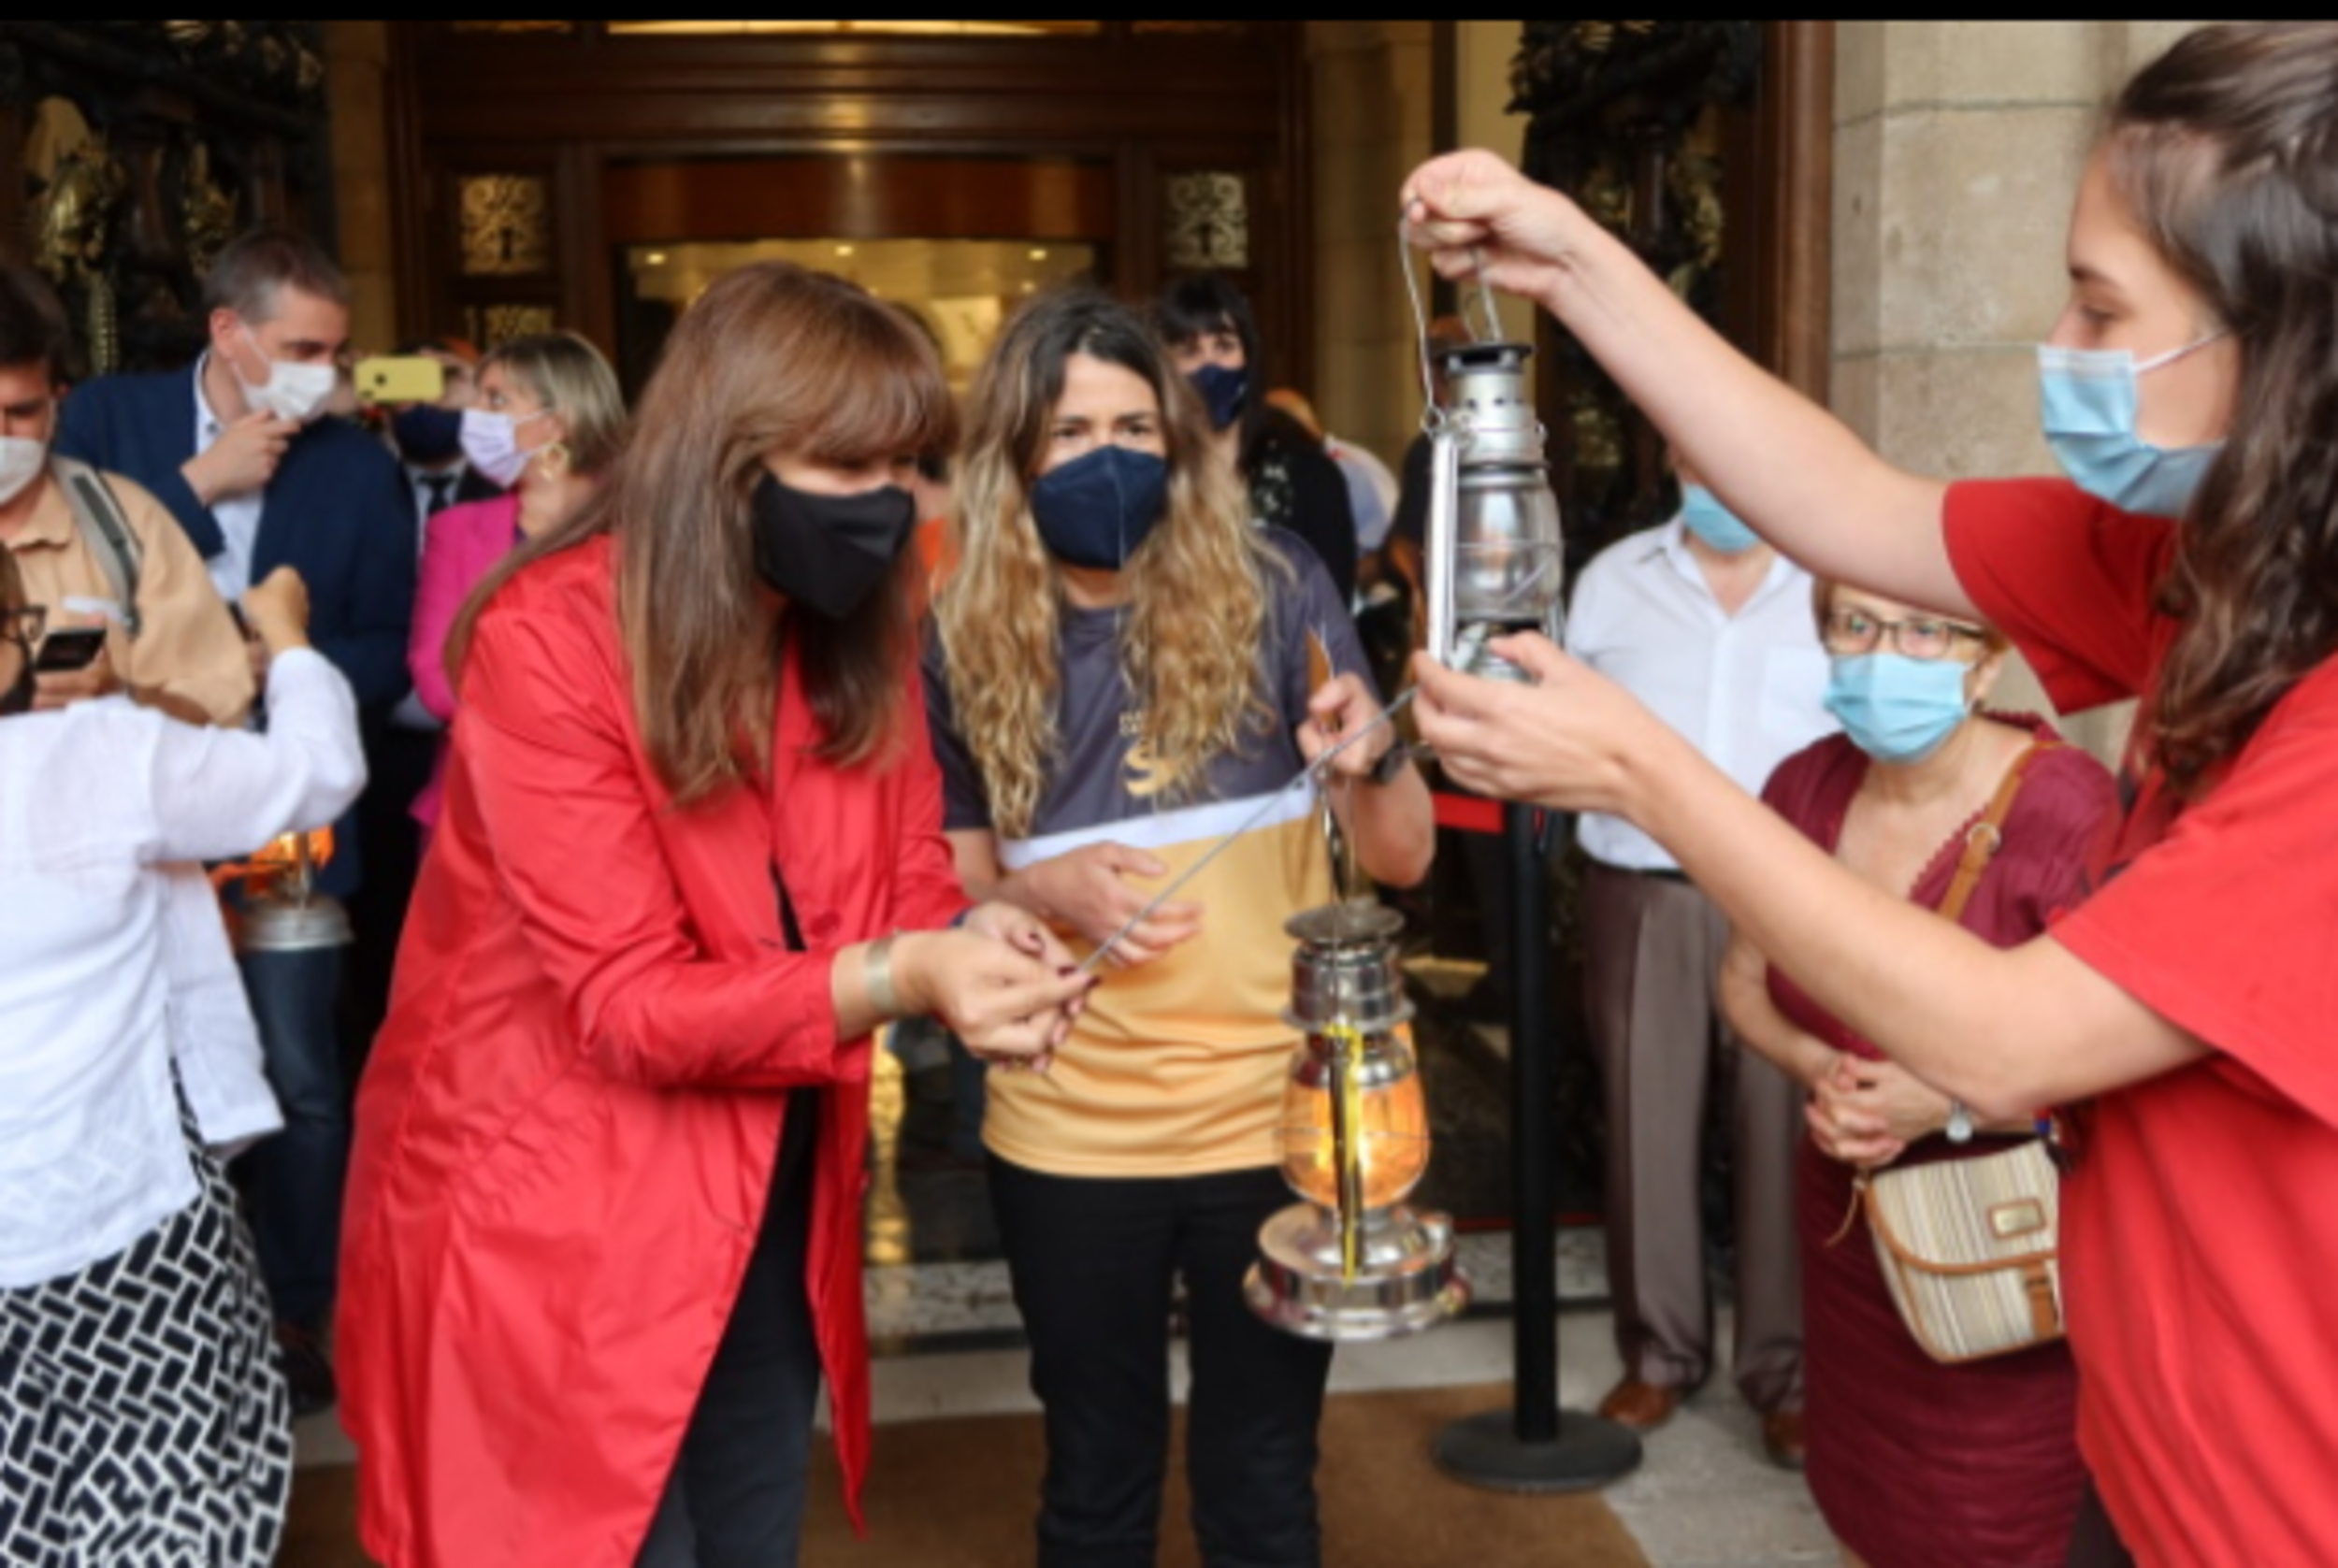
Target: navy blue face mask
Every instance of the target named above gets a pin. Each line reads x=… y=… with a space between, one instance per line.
x=427 y=434
x=1097 y=509
x=1223 y=391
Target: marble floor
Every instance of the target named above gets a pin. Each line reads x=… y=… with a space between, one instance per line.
x=948 y=1341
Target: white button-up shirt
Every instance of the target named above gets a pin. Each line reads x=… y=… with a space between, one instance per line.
x=1748 y=690
x=238 y=516
x=97 y=801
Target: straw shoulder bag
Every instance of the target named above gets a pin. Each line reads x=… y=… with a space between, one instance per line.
x=1967 y=1246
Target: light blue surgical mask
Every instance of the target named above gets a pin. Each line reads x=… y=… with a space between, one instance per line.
x=1894 y=708
x=1704 y=515
x=2088 y=398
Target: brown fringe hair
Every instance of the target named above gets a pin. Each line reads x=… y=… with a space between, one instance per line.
x=772 y=358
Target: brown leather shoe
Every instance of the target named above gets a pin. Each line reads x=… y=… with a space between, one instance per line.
x=1642 y=1407
x=1782 y=1438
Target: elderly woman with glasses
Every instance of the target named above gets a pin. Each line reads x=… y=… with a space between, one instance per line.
x=1912 y=1461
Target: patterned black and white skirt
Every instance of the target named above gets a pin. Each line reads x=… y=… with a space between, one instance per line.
x=143 y=1417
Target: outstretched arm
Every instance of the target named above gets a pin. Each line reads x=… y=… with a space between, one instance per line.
x=2006 y=1030
x=1795 y=473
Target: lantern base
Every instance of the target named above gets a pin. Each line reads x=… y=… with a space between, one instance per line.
x=271 y=925
x=1409 y=1281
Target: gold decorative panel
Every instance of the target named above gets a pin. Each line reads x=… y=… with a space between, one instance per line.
x=491 y=325
x=1209 y=221
x=507 y=225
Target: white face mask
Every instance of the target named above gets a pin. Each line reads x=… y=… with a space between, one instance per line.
x=491 y=443
x=23 y=460
x=295 y=392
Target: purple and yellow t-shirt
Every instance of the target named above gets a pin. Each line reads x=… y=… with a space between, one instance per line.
x=1176 y=1066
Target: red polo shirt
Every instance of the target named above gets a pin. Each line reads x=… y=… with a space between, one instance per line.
x=2200 y=1225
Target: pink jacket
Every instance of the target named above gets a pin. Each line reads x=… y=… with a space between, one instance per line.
x=462 y=543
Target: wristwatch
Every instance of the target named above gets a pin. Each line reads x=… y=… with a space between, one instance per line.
x=1389 y=764
x=1960 y=1128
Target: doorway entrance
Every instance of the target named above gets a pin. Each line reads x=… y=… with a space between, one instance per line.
x=542 y=164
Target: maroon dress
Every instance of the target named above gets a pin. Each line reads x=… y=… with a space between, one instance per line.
x=1914 y=1464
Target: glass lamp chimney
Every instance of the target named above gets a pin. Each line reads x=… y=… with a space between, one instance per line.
x=1494 y=548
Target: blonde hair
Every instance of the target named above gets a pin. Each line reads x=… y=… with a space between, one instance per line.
x=565 y=374
x=1198 y=585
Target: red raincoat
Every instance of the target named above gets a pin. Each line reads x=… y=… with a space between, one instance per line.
x=567 y=1130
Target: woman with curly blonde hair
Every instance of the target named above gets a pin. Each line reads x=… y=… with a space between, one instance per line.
x=1122 y=670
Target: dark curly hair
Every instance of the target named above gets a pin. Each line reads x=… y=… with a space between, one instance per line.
x=2225 y=147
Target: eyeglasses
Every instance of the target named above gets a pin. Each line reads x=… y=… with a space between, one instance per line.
x=1919 y=636
x=25 y=625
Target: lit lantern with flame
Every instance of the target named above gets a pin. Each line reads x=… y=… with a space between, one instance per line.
x=280 y=910
x=1353 y=1262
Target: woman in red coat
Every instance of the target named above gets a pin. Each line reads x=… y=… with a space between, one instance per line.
x=602 y=1230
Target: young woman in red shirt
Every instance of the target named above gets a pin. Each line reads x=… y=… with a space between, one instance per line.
x=2177 y=1018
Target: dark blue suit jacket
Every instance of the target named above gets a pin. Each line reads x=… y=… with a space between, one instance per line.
x=337 y=512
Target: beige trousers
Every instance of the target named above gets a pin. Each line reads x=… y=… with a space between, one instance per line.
x=1652 y=949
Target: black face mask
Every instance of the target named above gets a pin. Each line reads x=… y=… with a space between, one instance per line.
x=427 y=434
x=827 y=552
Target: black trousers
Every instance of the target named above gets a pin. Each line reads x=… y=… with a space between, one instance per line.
x=737 y=1495
x=2094 y=1541
x=389 y=854
x=1094 y=1262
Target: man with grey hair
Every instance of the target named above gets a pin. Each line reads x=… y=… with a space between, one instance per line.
x=235 y=446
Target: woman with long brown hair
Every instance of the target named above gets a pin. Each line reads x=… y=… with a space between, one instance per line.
x=603 y=1225
x=1124 y=670
x=2177 y=1021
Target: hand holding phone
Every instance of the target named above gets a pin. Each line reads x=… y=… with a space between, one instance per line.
x=67 y=649
x=71 y=667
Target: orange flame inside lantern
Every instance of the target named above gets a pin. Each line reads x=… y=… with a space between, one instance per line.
x=278 y=872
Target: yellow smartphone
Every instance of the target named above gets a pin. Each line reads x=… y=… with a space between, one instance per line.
x=399 y=379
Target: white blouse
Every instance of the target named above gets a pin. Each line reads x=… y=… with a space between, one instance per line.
x=97 y=801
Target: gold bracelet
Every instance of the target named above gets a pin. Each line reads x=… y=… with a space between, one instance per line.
x=876 y=976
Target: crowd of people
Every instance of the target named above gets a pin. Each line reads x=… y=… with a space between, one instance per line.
x=673 y=754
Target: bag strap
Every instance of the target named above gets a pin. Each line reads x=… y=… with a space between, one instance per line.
x=104 y=528
x=1982 y=842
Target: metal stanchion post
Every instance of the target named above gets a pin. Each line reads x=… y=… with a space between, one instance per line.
x=1534 y=1447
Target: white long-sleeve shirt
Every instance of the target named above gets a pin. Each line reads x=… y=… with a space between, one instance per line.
x=1748 y=690
x=97 y=801
x=214 y=1040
